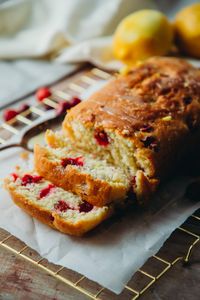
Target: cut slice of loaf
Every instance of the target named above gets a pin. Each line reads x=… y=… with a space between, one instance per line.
x=52 y=205
x=90 y=177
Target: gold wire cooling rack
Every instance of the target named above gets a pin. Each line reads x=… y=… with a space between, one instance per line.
x=177 y=248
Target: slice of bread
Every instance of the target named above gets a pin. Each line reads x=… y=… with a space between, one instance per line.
x=52 y=205
x=92 y=178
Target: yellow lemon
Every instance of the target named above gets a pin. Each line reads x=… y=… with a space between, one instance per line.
x=187 y=28
x=142 y=34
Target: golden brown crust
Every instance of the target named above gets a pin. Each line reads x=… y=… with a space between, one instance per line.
x=53 y=219
x=156 y=106
x=94 y=191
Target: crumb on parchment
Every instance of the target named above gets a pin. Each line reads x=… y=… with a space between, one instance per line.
x=24 y=155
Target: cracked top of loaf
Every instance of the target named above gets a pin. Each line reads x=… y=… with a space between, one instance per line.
x=161 y=89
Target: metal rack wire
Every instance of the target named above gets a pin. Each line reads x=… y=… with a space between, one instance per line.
x=147 y=274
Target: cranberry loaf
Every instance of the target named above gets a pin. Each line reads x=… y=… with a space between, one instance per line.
x=95 y=180
x=145 y=121
x=52 y=205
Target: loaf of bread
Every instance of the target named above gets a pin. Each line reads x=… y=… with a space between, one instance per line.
x=52 y=205
x=145 y=121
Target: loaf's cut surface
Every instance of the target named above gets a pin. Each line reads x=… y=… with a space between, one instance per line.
x=52 y=205
x=92 y=178
x=145 y=121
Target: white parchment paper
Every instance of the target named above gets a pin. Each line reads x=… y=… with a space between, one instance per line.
x=111 y=253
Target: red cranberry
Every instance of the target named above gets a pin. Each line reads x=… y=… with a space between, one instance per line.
x=45 y=191
x=28 y=179
x=62 y=107
x=42 y=93
x=22 y=108
x=146 y=128
x=9 y=114
x=74 y=101
x=150 y=142
x=101 y=138
x=15 y=176
x=61 y=206
x=78 y=161
x=85 y=207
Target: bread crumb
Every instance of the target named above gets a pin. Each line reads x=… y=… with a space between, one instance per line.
x=24 y=155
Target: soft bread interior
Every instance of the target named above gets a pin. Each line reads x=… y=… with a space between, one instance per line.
x=92 y=165
x=121 y=151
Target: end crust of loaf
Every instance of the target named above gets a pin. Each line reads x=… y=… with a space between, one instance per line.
x=52 y=218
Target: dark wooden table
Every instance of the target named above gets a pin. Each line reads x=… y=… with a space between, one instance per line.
x=25 y=275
